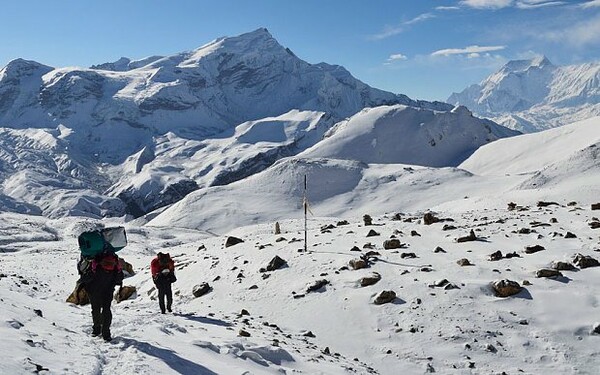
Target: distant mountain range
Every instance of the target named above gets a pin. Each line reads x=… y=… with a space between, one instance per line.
x=129 y=137
x=532 y=95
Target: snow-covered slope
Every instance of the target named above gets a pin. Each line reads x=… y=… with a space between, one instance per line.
x=149 y=131
x=408 y=135
x=444 y=318
x=532 y=95
x=509 y=169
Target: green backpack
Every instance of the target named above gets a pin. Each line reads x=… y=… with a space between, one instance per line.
x=94 y=242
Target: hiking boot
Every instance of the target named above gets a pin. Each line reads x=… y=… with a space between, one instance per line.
x=169 y=309
x=95 y=332
x=107 y=338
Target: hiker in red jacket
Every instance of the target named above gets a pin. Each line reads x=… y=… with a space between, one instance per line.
x=163 y=275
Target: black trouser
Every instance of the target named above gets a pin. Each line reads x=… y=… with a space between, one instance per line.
x=101 y=298
x=164 y=289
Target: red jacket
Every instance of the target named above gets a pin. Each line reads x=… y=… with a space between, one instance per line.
x=155 y=266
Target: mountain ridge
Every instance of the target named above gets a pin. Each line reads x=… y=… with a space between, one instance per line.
x=532 y=95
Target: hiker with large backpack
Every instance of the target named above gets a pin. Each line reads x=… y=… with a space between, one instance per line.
x=100 y=271
x=163 y=275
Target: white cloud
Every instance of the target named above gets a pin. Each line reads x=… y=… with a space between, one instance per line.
x=521 y=4
x=487 y=4
x=441 y=8
x=577 y=34
x=420 y=18
x=389 y=31
x=397 y=57
x=591 y=4
x=470 y=51
x=534 y=4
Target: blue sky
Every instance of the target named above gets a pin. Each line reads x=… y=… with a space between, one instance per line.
x=425 y=49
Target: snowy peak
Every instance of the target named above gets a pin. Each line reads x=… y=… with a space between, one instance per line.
x=523 y=65
x=19 y=68
x=531 y=95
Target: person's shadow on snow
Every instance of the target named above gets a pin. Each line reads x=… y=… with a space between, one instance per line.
x=204 y=320
x=169 y=357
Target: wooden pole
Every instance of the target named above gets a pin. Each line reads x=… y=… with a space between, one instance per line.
x=305 y=219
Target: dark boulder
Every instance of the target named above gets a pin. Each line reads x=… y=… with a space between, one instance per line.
x=370 y=280
x=385 y=296
x=506 y=288
x=585 y=261
x=232 y=241
x=200 y=290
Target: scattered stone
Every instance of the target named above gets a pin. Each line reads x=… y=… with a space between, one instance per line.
x=231 y=241
x=368 y=245
x=512 y=255
x=358 y=263
x=372 y=233
x=371 y=254
x=243 y=333
x=526 y=283
x=491 y=348
x=253 y=287
x=414 y=233
x=343 y=222
x=439 y=250
x=429 y=219
x=585 y=261
x=277 y=228
x=595 y=206
x=275 y=264
x=440 y=283
x=495 y=256
x=506 y=288
x=546 y=204
x=38 y=312
x=392 y=244
x=200 y=290
x=326 y=351
x=281 y=239
x=523 y=322
x=464 y=262
x=470 y=237
x=408 y=255
x=448 y=227
x=327 y=228
x=355 y=248
x=533 y=249
x=570 y=235
x=512 y=206
x=563 y=266
x=370 y=280
x=125 y=293
x=547 y=272
x=426 y=269
x=368 y=220
x=78 y=297
x=524 y=231
x=596 y=329
x=308 y=334
x=385 y=296
x=553 y=220
x=316 y=285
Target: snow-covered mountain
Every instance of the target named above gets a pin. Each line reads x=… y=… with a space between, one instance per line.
x=321 y=313
x=408 y=135
x=135 y=135
x=509 y=169
x=532 y=95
